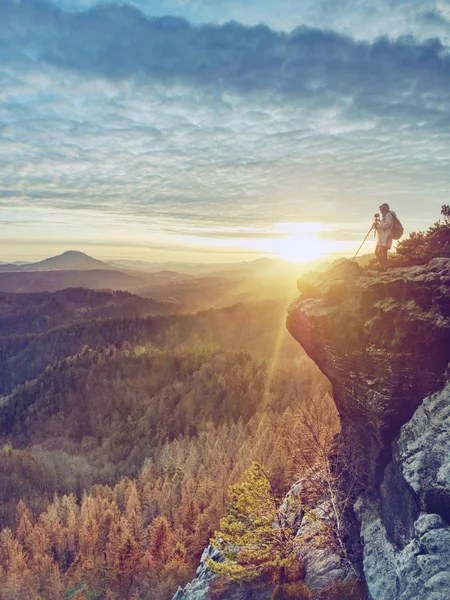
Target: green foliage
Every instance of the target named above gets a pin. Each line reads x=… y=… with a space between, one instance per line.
x=250 y=327
x=423 y=246
x=252 y=538
x=23 y=314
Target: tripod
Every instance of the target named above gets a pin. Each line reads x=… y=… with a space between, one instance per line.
x=368 y=233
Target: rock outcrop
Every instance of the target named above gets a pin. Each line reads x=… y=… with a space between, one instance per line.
x=383 y=340
x=407 y=553
x=317 y=547
x=323 y=561
x=200 y=587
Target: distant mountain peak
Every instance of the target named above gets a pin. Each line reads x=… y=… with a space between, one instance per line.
x=70 y=260
x=72 y=253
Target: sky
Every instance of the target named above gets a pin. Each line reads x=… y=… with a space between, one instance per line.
x=219 y=130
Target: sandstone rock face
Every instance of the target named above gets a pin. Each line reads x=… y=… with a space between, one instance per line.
x=314 y=529
x=383 y=340
x=199 y=588
x=323 y=559
x=420 y=566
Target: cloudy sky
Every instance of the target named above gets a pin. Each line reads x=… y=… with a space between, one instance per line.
x=219 y=129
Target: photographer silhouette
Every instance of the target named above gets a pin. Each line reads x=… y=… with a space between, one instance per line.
x=384 y=227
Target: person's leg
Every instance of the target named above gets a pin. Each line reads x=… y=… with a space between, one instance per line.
x=384 y=257
x=377 y=254
x=381 y=254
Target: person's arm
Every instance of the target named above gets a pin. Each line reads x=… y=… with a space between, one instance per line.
x=387 y=223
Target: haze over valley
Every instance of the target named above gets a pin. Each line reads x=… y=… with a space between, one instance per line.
x=187 y=286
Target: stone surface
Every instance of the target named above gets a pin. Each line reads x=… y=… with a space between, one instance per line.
x=383 y=340
x=319 y=549
x=291 y=510
x=418 y=570
x=423 y=450
x=199 y=588
x=384 y=344
x=313 y=529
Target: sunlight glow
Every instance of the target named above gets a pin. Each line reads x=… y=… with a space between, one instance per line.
x=302 y=244
x=42 y=232
x=300 y=248
x=296 y=242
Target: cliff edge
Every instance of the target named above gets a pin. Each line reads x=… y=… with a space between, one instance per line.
x=383 y=340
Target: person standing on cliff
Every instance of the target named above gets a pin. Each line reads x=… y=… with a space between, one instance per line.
x=384 y=228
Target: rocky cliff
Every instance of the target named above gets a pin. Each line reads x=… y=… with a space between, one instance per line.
x=383 y=340
x=200 y=588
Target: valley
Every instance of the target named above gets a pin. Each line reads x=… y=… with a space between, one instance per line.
x=111 y=400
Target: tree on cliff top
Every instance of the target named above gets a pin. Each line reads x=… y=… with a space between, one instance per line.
x=252 y=538
x=424 y=245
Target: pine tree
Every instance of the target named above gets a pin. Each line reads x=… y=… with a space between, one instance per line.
x=252 y=538
x=159 y=545
x=133 y=511
x=24 y=528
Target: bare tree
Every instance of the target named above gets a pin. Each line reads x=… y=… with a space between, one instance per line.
x=325 y=473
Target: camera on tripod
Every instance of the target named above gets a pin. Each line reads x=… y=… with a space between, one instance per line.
x=374 y=228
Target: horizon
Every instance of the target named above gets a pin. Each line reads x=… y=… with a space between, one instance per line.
x=193 y=132
x=112 y=260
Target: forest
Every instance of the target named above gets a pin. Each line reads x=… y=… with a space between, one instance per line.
x=122 y=428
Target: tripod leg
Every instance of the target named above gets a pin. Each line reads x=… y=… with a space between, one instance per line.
x=364 y=240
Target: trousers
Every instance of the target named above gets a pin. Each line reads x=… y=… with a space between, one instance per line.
x=381 y=254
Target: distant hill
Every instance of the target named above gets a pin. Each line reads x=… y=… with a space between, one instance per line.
x=186 y=268
x=187 y=286
x=260 y=265
x=22 y=314
x=51 y=281
x=223 y=289
x=79 y=261
x=183 y=291
x=68 y=261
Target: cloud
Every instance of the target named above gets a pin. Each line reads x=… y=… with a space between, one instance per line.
x=361 y=19
x=167 y=126
x=120 y=42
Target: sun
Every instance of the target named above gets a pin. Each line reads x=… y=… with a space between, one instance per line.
x=301 y=248
x=299 y=242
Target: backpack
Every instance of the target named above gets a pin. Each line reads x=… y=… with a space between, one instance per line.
x=397 y=228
